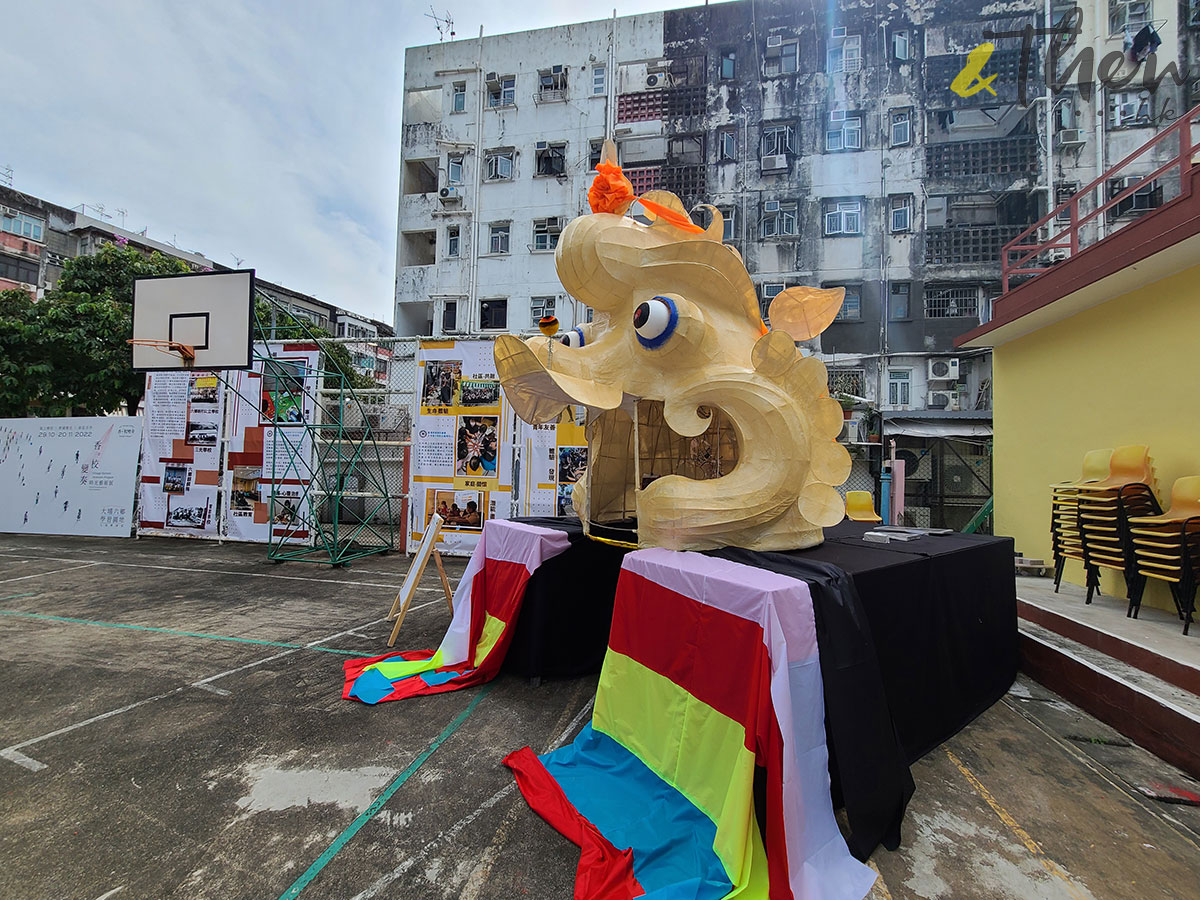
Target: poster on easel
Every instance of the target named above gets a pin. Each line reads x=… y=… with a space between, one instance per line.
x=462 y=444
x=69 y=476
x=553 y=458
x=181 y=454
x=271 y=453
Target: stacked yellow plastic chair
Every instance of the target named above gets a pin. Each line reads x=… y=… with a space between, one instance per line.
x=1167 y=547
x=1066 y=537
x=860 y=507
x=1105 y=508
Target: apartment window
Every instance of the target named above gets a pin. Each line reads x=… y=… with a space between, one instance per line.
x=844 y=54
x=842 y=217
x=728 y=64
x=540 y=306
x=454 y=169
x=900 y=45
x=728 y=219
x=779 y=218
x=851 y=309
x=498 y=237
x=777 y=139
x=847 y=381
x=782 y=56
x=1063 y=193
x=450 y=316
x=901 y=206
x=502 y=91
x=551 y=158
x=844 y=132
x=21 y=270
x=770 y=290
x=727 y=143
x=1128 y=15
x=452 y=240
x=498 y=165
x=545 y=233
x=899 y=294
x=901 y=124
x=493 y=314
x=687 y=150
x=22 y=225
x=1128 y=109
x=599 y=81
x=948 y=302
x=552 y=83
x=899 y=387
x=595 y=153
x=1148 y=196
x=458 y=101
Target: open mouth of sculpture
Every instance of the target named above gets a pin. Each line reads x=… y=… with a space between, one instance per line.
x=627 y=458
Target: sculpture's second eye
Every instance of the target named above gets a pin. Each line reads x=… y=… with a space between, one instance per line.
x=655 y=321
x=573 y=338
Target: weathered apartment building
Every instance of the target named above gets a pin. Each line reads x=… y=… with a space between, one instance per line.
x=37 y=236
x=829 y=136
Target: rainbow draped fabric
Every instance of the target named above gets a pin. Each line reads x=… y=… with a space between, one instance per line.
x=712 y=674
x=486 y=606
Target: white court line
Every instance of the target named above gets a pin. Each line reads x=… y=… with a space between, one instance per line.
x=450 y=833
x=13 y=754
x=51 y=572
x=111 y=893
x=208 y=571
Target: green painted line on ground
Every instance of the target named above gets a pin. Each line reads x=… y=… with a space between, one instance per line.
x=369 y=813
x=194 y=634
x=15 y=597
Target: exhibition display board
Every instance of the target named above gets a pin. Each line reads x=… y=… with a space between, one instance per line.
x=69 y=476
x=551 y=459
x=462 y=444
x=181 y=454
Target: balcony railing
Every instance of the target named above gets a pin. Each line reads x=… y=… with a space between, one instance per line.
x=1061 y=233
x=961 y=244
x=990 y=156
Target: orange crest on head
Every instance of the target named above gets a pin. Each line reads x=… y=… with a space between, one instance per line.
x=611 y=191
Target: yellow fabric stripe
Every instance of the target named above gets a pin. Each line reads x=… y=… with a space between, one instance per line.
x=401 y=667
x=492 y=629
x=697 y=750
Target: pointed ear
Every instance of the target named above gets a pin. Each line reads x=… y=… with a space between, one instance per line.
x=804 y=312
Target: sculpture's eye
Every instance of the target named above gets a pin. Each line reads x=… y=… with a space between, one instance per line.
x=573 y=338
x=655 y=321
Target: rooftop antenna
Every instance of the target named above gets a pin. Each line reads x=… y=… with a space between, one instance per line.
x=444 y=23
x=122 y=213
x=6 y=175
x=237 y=260
x=100 y=209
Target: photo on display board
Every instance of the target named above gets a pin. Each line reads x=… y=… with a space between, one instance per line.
x=477 y=447
x=287 y=506
x=201 y=434
x=460 y=510
x=245 y=491
x=572 y=462
x=479 y=392
x=191 y=516
x=442 y=382
x=203 y=390
x=174 y=479
x=282 y=392
x=563 y=500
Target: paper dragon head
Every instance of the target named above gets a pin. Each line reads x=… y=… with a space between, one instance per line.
x=705 y=429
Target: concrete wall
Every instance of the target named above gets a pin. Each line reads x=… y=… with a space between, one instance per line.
x=1120 y=373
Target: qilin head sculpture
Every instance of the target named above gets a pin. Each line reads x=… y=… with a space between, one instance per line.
x=705 y=428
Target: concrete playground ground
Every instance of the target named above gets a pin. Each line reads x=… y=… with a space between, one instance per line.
x=172 y=727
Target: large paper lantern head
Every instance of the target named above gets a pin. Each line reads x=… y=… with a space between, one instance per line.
x=705 y=429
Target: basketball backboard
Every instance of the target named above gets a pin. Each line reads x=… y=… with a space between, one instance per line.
x=210 y=312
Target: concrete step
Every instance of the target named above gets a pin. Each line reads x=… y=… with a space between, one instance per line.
x=1159 y=715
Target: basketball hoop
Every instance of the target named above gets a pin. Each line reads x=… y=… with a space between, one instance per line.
x=186 y=351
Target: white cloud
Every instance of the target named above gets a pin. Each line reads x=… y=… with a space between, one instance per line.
x=266 y=130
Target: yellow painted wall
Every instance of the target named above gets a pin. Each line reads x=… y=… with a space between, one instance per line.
x=1124 y=372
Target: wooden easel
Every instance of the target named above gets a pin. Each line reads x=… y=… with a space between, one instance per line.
x=416 y=569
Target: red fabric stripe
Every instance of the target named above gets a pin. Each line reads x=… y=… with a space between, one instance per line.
x=604 y=872
x=498 y=588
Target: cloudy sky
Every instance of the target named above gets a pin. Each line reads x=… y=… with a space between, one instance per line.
x=262 y=131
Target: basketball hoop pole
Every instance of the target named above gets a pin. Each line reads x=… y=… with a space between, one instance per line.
x=186 y=351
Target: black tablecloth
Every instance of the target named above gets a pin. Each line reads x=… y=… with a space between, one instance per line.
x=916 y=640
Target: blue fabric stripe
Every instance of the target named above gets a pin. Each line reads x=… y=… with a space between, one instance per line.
x=433 y=679
x=371 y=687
x=672 y=841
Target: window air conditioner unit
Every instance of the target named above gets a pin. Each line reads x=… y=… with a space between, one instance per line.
x=543 y=145
x=554 y=225
x=852 y=431
x=837 y=115
x=944 y=368
x=491 y=78
x=556 y=70
x=1072 y=137
x=774 y=40
x=449 y=195
x=9 y=211
x=775 y=162
x=839 y=32
x=947 y=400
